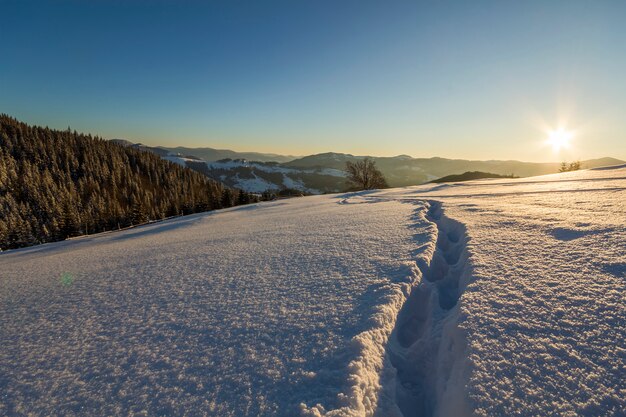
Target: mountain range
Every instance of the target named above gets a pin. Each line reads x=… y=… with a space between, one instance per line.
x=323 y=173
x=212 y=154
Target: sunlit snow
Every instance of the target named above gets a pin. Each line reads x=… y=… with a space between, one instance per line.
x=496 y=297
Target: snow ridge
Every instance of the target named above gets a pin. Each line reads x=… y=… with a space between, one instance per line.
x=427 y=347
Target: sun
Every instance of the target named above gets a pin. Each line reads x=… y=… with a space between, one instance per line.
x=559 y=138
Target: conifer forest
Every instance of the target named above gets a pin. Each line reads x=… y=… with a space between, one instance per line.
x=58 y=184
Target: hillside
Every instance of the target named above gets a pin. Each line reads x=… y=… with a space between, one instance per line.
x=58 y=184
x=212 y=154
x=323 y=173
x=209 y=154
x=486 y=298
x=257 y=177
x=404 y=170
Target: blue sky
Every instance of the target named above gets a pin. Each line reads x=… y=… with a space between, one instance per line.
x=478 y=80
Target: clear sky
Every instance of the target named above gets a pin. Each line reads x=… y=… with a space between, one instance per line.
x=466 y=79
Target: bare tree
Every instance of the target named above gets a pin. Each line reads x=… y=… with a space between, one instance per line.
x=363 y=175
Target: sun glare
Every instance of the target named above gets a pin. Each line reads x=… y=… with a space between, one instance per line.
x=559 y=139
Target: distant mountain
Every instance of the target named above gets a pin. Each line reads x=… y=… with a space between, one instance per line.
x=264 y=172
x=322 y=173
x=209 y=154
x=404 y=170
x=254 y=176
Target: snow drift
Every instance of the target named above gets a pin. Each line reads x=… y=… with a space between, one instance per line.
x=496 y=297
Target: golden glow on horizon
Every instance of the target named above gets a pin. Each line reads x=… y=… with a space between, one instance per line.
x=559 y=138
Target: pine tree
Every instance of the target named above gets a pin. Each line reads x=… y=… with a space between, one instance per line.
x=242 y=198
x=58 y=184
x=69 y=222
x=137 y=213
x=227 y=198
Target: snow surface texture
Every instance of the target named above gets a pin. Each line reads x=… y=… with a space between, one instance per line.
x=544 y=310
x=242 y=312
x=489 y=298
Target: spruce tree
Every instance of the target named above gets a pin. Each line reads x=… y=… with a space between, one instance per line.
x=58 y=184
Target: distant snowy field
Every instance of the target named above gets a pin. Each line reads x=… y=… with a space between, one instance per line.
x=496 y=297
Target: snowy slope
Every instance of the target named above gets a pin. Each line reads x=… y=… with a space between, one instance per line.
x=256 y=177
x=496 y=297
x=248 y=311
x=262 y=176
x=543 y=311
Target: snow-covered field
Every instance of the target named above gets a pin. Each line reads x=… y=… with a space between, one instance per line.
x=497 y=297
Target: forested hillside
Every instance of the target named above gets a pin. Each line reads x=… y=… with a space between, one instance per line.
x=57 y=184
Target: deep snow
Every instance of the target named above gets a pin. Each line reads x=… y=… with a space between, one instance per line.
x=496 y=297
x=247 y=311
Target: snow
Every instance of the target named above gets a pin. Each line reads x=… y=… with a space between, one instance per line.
x=291 y=183
x=247 y=311
x=329 y=171
x=228 y=164
x=543 y=311
x=177 y=159
x=257 y=185
x=238 y=163
x=493 y=297
x=252 y=185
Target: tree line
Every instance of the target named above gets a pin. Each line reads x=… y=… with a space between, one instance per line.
x=572 y=166
x=58 y=184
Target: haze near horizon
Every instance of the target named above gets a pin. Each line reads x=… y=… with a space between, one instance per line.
x=528 y=81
